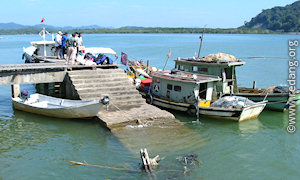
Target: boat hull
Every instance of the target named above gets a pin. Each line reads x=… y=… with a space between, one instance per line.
x=80 y=110
x=276 y=102
x=215 y=112
x=242 y=114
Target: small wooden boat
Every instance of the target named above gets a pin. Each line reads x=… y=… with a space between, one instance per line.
x=193 y=93
x=60 y=108
x=276 y=101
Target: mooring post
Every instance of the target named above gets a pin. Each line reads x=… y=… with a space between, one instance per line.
x=148 y=64
x=15 y=90
x=254 y=84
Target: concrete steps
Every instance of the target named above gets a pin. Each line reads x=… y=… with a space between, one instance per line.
x=94 y=84
x=89 y=89
x=98 y=71
x=98 y=80
x=96 y=76
x=103 y=84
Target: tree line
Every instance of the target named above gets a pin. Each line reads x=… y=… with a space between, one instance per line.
x=280 y=19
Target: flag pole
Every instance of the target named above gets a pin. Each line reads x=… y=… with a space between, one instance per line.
x=201 y=38
x=44 y=36
x=168 y=56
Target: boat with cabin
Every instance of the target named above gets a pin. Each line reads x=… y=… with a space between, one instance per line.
x=194 y=94
x=40 y=49
x=223 y=65
x=59 y=108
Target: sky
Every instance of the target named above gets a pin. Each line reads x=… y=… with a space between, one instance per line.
x=147 y=13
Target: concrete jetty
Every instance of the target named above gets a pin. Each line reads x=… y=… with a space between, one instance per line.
x=126 y=104
x=87 y=83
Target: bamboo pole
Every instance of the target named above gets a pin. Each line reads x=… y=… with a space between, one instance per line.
x=99 y=166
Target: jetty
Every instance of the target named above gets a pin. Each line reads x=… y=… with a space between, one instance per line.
x=87 y=83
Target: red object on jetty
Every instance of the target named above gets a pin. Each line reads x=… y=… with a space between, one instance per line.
x=145 y=83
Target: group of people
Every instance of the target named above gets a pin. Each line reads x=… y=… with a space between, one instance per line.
x=67 y=46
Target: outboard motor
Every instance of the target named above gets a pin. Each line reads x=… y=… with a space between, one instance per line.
x=24 y=94
x=105 y=100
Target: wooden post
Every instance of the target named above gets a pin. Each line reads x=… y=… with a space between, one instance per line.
x=15 y=90
x=148 y=65
x=146 y=160
x=254 y=84
x=197 y=108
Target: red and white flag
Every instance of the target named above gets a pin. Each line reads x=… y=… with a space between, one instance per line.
x=43 y=20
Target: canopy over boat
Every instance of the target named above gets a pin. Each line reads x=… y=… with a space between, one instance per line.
x=220 y=59
x=98 y=50
x=185 y=77
x=42 y=43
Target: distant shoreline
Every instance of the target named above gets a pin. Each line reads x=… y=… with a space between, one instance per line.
x=157 y=30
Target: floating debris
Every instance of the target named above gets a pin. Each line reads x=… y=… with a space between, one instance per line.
x=188 y=159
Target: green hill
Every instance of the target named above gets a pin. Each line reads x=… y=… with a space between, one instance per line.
x=284 y=19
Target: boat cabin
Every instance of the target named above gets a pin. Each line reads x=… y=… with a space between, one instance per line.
x=183 y=87
x=44 y=48
x=222 y=68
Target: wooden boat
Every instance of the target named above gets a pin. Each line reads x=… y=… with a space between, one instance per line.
x=276 y=101
x=193 y=93
x=60 y=108
x=223 y=65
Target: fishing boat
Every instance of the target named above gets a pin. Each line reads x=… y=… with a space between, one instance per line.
x=223 y=65
x=59 y=108
x=194 y=94
x=277 y=100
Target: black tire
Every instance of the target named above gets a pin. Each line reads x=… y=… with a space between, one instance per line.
x=149 y=99
x=192 y=110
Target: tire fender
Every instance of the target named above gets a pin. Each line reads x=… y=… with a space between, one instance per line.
x=192 y=110
x=149 y=99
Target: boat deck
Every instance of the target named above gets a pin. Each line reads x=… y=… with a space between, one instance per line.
x=187 y=77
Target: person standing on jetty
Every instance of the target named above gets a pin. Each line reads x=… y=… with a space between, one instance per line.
x=58 y=46
x=72 y=50
x=79 y=42
x=63 y=44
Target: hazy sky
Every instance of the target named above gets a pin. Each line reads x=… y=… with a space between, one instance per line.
x=150 y=13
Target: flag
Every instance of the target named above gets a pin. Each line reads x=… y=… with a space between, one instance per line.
x=42 y=33
x=169 y=53
x=43 y=20
x=124 y=58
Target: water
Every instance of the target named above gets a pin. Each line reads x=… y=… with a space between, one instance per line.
x=37 y=147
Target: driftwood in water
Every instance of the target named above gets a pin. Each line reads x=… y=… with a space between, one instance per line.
x=98 y=166
x=147 y=162
x=188 y=159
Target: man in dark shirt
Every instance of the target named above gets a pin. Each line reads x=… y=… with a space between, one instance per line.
x=63 y=44
x=72 y=49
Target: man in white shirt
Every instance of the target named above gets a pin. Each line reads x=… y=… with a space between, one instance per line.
x=80 y=42
x=58 y=44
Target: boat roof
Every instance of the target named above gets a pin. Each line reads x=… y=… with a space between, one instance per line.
x=41 y=42
x=98 y=50
x=185 y=77
x=194 y=61
x=147 y=80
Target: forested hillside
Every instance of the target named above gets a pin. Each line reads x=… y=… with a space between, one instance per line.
x=285 y=19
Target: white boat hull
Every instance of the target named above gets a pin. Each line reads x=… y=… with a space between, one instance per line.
x=242 y=114
x=54 y=107
x=221 y=113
